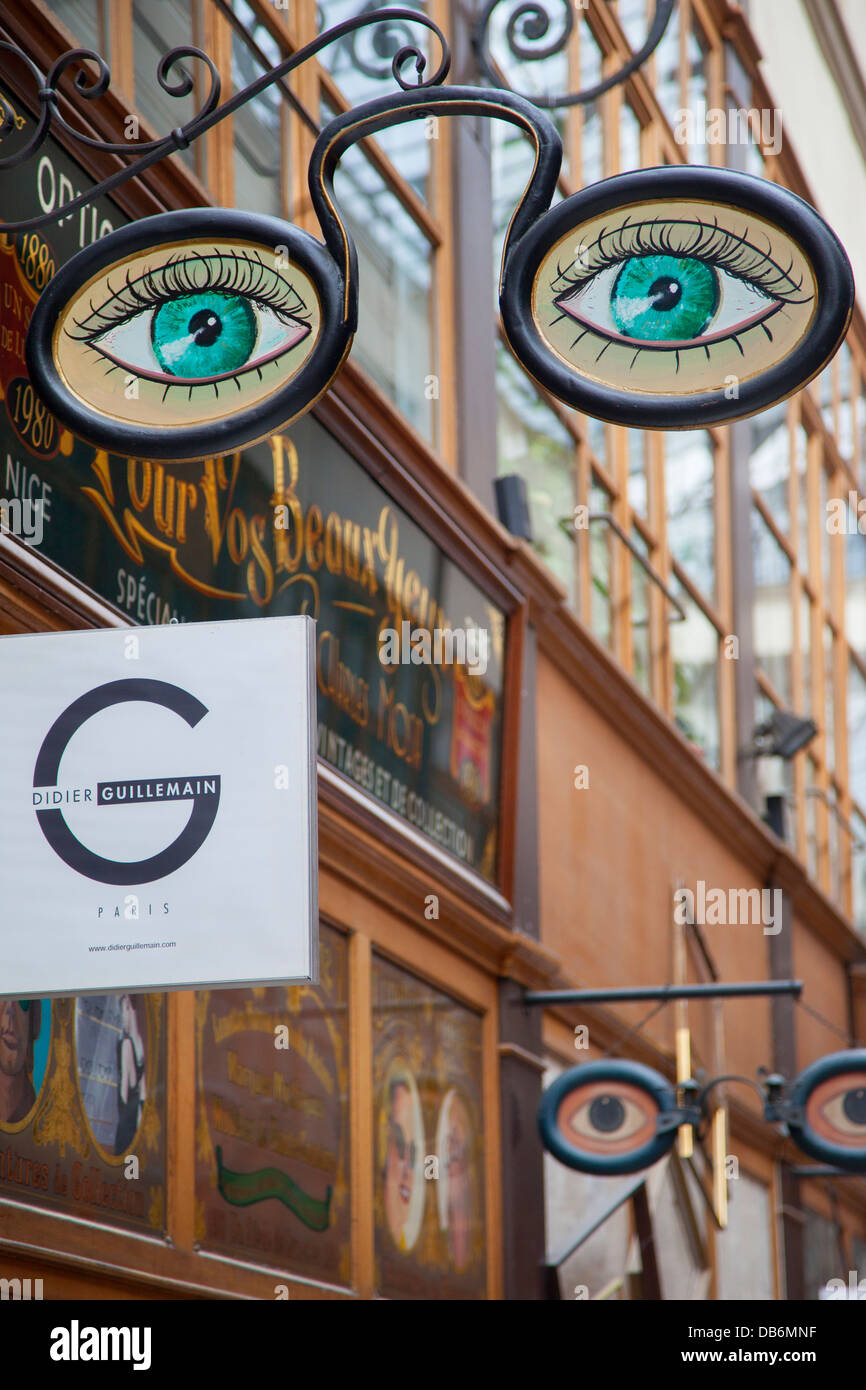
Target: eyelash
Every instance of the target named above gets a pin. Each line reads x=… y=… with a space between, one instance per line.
x=711 y=244
x=235 y=272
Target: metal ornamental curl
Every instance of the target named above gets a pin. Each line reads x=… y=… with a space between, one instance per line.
x=526 y=30
x=146 y=154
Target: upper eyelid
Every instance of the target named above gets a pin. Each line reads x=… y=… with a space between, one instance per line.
x=702 y=241
x=90 y=330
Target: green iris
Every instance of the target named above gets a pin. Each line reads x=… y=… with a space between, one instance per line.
x=664 y=298
x=204 y=334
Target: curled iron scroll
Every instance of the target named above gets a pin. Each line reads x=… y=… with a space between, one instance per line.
x=527 y=29
x=146 y=154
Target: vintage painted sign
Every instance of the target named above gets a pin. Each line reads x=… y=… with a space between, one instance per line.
x=429 y=1135
x=158 y=809
x=82 y=1107
x=291 y=525
x=272 y=1150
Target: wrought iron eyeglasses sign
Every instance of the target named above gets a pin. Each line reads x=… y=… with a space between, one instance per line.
x=639 y=300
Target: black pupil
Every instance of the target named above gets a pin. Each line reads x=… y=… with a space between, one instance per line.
x=205 y=327
x=854 y=1106
x=665 y=293
x=606 y=1114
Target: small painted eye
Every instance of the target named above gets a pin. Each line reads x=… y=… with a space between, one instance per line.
x=836 y=1110
x=667 y=301
x=608 y=1117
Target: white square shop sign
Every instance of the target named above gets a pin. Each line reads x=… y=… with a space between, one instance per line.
x=158 y=808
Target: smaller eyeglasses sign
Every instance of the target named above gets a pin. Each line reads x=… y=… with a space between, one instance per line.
x=604 y=1117
x=190 y=333
x=677 y=297
x=827 y=1117
x=158 y=808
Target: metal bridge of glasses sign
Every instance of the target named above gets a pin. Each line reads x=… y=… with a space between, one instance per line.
x=158 y=819
x=668 y=298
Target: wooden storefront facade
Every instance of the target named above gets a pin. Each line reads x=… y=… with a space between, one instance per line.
x=391 y=1150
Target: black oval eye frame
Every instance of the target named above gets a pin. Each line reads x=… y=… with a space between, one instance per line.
x=659 y=1090
x=803 y=1133
x=236 y=431
x=726 y=189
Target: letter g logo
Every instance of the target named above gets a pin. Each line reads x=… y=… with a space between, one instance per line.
x=53 y=824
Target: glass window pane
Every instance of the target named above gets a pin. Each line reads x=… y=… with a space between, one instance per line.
x=824 y=387
x=744 y=1251
x=260 y=127
x=695 y=647
x=360 y=64
x=591 y=137
x=395 y=339
x=845 y=437
x=637 y=475
x=801 y=441
x=772 y=614
x=634 y=21
x=629 y=139
x=811 y=809
x=698 y=48
x=858 y=873
x=823 y=531
x=640 y=622
x=855 y=591
x=769 y=460
x=806 y=651
x=857 y=732
x=754 y=160
x=667 y=68
x=601 y=542
x=689 y=492
x=596 y=437
x=823 y=1254
x=532 y=441
x=87 y=22
x=829 y=698
x=861 y=435
x=159 y=25
x=834 y=847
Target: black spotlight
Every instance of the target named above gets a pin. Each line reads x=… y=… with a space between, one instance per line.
x=512 y=505
x=782 y=735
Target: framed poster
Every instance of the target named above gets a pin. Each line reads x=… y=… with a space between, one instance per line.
x=82 y=1106
x=429 y=1136
x=272 y=1110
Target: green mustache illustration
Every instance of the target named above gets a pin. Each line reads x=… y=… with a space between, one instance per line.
x=245 y=1189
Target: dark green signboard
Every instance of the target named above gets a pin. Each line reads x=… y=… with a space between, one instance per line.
x=410 y=651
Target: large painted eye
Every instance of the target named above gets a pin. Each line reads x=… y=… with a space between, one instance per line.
x=603 y=1117
x=674 y=298
x=830 y=1101
x=190 y=333
x=198 y=320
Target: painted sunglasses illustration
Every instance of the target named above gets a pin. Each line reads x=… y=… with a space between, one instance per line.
x=614 y=1117
x=667 y=298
